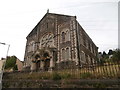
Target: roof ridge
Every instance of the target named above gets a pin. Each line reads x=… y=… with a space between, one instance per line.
x=61 y=14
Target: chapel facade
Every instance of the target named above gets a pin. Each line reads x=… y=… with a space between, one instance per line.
x=59 y=42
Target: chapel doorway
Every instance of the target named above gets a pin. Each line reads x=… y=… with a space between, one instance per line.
x=46 y=61
x=47 y=64
x=38 y=65
x=37 y=57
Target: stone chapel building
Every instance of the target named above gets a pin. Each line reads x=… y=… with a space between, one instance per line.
x=59 y=42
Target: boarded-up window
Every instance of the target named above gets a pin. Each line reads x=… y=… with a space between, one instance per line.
x=63 y=36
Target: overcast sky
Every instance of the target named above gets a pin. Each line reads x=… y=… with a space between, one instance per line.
x=18 y=17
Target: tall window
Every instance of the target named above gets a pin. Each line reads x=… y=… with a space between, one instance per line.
x=84 y=41
x=67 y=53
x=47 y=25
x=89 y=60
x=63 y=54
x=30 y=48
x=89 y=46
x=67 y=36
x=93 y=50
x=63 y=36
x=86 y=57
x=33 y=47
x=83 y=56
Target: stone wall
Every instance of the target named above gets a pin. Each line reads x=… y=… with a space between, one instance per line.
x=65 y=65
x=61 y=84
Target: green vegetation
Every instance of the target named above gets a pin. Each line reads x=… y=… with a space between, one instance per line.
x=113 y=56
x=85 y=75
x=116 y=56
x=11 y=63
x=99 y=85
x=60 y=75
x=66 y=76
x=56 y=76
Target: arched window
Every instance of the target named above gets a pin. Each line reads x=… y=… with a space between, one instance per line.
x=84 y=41
x=63 y=36
x=33 y=47
x=30 y=47
x=89 y=60
x=67 y=36
x=86 y=57
x=63 y=54
x=83 y=56
x=67 y=53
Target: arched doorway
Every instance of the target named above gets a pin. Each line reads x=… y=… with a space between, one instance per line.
x=47 y=64
x=46 y=61
x=42 y=59
x=37 y=58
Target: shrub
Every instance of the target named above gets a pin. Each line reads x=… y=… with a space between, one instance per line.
x=6 y=85
x=86 y=75
x=116 y=56
x=65 y=76
x=99 y=85
x=10 y=62
x=56 y=76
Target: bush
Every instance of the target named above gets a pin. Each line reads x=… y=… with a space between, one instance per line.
x=99 y=85
x=116 y=56
x=10 y=62
x=86 y=75
x=56 y=76
x=65 y=76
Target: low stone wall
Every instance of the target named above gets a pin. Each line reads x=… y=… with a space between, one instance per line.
x=83 y=83
x=24 y=80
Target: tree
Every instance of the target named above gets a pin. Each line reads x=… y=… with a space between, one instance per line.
x=99 y=52
x=104 y=53
x=116 y=56
x=110 y=52
x=104 y=58
x=10 y=62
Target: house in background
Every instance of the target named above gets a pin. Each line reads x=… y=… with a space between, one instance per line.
x=13 y=64
x=59 y=42
x=19 y=64
x=2 y=61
